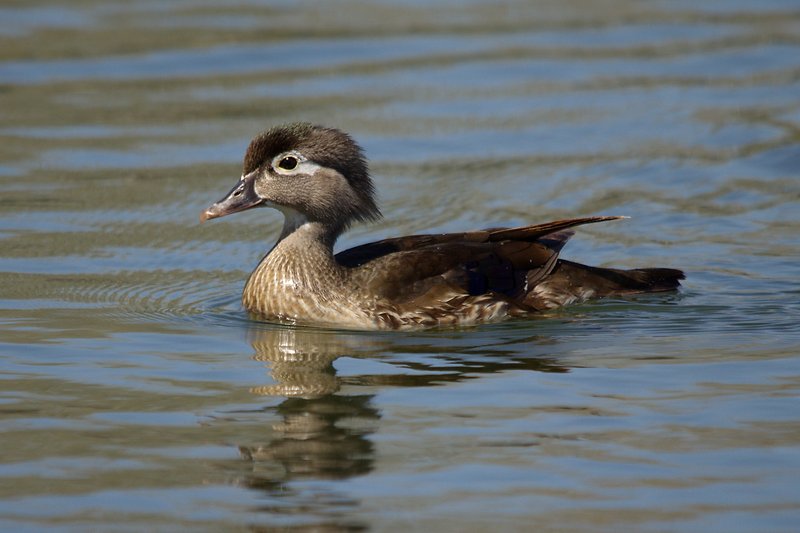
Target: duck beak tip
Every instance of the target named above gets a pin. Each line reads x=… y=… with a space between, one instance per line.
x=205 y=214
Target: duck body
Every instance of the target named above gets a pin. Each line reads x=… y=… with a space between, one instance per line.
x=319 y=179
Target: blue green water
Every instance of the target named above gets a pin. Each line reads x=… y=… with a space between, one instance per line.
x=137 y=394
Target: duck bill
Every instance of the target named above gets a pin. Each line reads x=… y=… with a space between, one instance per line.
x=242 y=196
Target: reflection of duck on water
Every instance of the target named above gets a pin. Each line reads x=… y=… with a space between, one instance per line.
x=322 y=435
x=325 y=433
x=319 y=179
x=312 y=441
x=301 y=359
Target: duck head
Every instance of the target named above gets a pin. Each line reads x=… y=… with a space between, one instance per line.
x=308 y=172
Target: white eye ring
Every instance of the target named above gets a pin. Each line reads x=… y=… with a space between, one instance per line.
x=288 y=162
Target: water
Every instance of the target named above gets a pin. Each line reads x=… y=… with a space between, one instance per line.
x=137 y=394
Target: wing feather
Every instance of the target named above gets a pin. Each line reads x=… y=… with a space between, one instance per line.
x=502 y=260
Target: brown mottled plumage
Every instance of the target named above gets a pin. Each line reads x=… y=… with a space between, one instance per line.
x=319 y=179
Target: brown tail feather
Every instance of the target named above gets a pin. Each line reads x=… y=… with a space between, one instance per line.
x=608 y=281
x=572 y=282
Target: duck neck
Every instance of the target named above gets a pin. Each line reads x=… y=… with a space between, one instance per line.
x=298 y=230
x=303 y=255
x=299 y=274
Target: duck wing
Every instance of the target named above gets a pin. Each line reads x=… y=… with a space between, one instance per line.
x=501 y=260
x=359 y=255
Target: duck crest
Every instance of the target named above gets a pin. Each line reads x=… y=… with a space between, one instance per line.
x=272 y=142
x=318 y=177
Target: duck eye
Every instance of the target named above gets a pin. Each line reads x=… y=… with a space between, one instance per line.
x=288 y=163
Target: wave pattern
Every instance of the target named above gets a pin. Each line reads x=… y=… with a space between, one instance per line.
x=132 y=377
x=684 y=118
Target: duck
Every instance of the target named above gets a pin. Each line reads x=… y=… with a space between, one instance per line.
x=319 y=179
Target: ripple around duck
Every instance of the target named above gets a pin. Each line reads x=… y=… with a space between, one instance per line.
x=154 y=295
x=193 y=302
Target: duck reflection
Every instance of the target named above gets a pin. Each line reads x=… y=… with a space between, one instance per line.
x=313 y=442
x=326 y=421
x=322 y=434
x=301 y=360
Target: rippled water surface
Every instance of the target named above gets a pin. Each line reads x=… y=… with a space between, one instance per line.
x=137 y=394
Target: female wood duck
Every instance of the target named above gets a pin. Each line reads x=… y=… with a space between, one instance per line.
x=318 y=178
